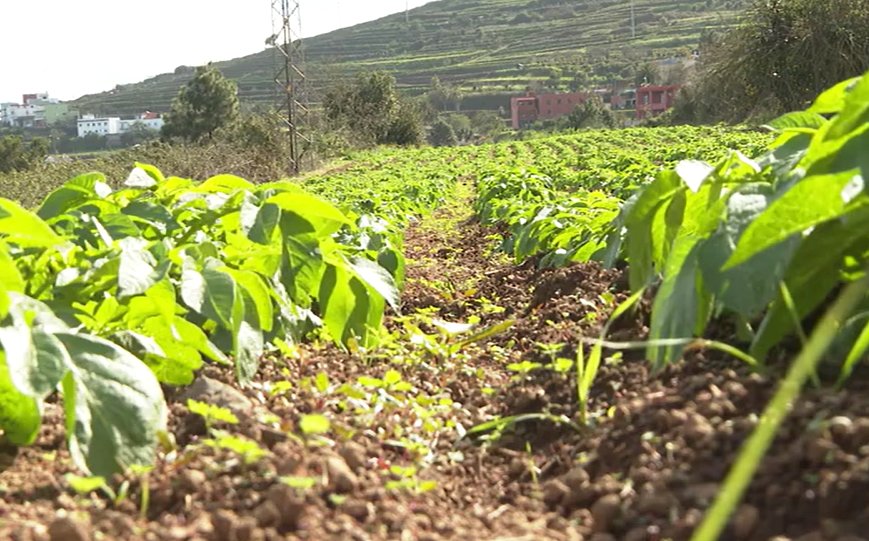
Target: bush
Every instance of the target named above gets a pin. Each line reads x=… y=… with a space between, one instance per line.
x=785 y=54
x=206 y=104
x=442 y=135
x=15 y=155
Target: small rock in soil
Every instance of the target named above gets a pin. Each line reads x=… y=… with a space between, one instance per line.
x=192 y=480
x=554 y=491
x=604 y=511
x=354 y=455
x=267 y=514
x=602 y=536
x=576 y=478
x=698 y=428
x=341 y=479
x=67 y=529
x=744 y=521
x=701 y=494
x=215 y=392
x=288 y=505
x=358 y=509
x=224 y=523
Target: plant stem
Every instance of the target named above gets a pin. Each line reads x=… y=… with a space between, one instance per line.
x=752 y=453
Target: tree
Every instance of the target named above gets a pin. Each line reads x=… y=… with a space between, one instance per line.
x=785 y=54
x=648 y=73
x=207 y=103
x=591 y=114
x=442 y=135
x=371 y=109
x=444 y=96
x=17 y=156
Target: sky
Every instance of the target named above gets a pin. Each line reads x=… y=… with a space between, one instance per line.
x=73 y=47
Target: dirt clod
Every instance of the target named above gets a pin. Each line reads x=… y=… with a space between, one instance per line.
x=341 y=478
x=68 y=529
x=604 y=511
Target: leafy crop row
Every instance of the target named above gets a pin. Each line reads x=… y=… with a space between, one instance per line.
x=106 y=294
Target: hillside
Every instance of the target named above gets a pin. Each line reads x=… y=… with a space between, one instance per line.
x=489 y=47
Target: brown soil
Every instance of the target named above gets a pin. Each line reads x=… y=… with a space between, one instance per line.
x=646 y=468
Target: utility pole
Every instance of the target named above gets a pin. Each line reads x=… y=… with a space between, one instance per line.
x=633 y=22
x=289 y=76
x=407 y=11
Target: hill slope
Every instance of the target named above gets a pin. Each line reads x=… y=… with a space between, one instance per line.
x=489 y=47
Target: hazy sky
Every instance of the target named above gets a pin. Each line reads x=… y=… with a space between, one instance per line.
x=75 y=47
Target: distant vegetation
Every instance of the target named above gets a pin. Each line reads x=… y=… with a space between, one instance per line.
x=779 y=60
x=487 y=49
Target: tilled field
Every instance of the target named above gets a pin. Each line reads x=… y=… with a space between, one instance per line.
x=397 y=460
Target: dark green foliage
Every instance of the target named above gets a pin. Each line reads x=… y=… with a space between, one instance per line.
x=16 y=155
x=781 y=58
x=207 y=103
x=371 y=109
x=591 y=114
x=442 y=135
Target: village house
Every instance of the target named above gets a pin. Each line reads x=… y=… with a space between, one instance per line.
x=106 y=126
x=653 y=100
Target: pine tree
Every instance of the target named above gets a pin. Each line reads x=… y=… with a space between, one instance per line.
x=207 y=103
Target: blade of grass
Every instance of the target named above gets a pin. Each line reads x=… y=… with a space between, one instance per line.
x=755 y=448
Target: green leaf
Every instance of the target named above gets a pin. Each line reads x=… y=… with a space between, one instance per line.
x=136 y=273
x=857 y=353
x=114 y=406
x=257 y=291
x=694 y=173
x=324 y=217
x=152 y=172
x=830 y=196
x=350 y=310
x=314 y=424
x=747 y=289
x=803 y=121
x=72 y=194
x=10 y=277
x=22 y=227
x=20 y=416
x=832 y=100
x=225 y=184
x=676 y=306
x=377 y=278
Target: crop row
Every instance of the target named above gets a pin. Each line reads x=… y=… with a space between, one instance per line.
x=105 y=294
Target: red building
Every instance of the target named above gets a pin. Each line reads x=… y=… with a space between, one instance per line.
x=653 y=100
x=533 y=107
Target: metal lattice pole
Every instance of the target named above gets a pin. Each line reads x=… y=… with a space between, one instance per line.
x=290 y=80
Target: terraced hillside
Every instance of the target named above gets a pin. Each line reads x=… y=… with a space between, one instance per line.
x=489 y=47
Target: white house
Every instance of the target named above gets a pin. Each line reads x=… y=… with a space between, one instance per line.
x=89 y=124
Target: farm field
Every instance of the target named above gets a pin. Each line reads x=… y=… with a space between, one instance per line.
x=565 y=338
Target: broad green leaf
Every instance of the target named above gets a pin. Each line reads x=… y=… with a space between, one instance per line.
x=20 y=417
x=10 y=277
x=73 y=193
x=377 y=278
x=324 y=217
x=225 y=184
x=803 y=121
x=152 y=171
x=116 y=404
x=832 y=100
x=256 y=289
x=136 y=273
x=813 y=273
x=675 y=310
x=748 y=288
x=351 y=311
x=140 y=178
x=854 y=113
x=830 y=196
x=694 y=173
x=22 y=227
x=267 y=220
